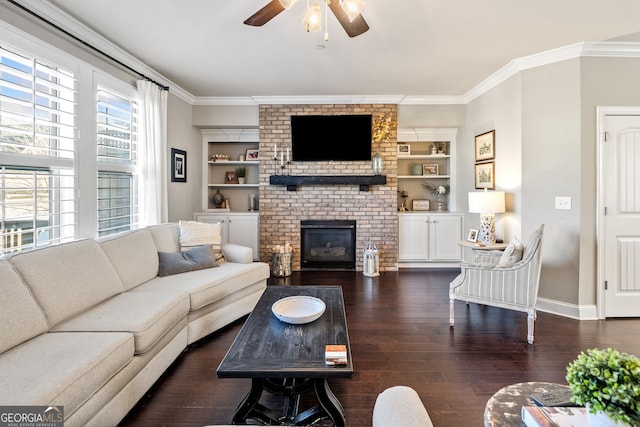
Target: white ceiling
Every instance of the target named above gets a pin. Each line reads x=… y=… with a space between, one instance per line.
x=413 y=47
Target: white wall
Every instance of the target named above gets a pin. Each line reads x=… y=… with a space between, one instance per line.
x=184 y=197
x=499 y=109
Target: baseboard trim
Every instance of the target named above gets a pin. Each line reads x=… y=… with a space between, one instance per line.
x=573 y=311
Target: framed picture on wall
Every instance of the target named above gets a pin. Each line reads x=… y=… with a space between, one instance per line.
x=485 y=176
x=178 y=165
x=486 y=146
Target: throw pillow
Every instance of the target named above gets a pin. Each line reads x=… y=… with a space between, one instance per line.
x=179 y=262
x=194 y=233
x=512 y=253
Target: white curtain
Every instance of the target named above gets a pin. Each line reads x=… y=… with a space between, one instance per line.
x=152 y=147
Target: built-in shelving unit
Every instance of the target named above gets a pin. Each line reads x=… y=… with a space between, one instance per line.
x=429 y=158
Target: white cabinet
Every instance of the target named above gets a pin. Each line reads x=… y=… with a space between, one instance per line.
x=239 y=228
x=427 y=157
x=240 y=150
x=429 y=239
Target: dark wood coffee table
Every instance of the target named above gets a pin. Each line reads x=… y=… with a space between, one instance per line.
x=288 y=359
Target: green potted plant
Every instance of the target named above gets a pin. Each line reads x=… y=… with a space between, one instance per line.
x=607 y=382
x=241 y=172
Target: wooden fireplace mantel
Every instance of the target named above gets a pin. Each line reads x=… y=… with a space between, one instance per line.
x=293 y=181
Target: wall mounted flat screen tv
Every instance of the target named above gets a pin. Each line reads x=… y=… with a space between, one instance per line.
x=324 y=138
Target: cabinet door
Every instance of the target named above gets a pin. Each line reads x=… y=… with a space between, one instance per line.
x=213 y=218
x=244 y=230
x=445 y=231
x=412 y=237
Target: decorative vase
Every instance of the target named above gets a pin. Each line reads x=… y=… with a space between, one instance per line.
x=217 y=199
x=241 y=180
x=377 y=163
x=416 y=169
x=440 y=203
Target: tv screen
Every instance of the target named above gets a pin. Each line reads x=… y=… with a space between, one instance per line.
x=322 y=138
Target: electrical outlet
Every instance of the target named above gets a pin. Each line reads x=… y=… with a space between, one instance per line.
x=563 y=202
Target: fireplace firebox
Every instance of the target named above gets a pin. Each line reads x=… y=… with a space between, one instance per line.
x=328 y=244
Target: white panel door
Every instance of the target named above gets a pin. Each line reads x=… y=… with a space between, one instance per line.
x=445 y=231
x=412 y=237
x=244 y=230
x=621 y=195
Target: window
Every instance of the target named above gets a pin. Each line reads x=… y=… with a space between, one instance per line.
x=117 y=162
x=37 y=150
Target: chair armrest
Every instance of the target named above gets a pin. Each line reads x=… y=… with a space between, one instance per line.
x=237 y=253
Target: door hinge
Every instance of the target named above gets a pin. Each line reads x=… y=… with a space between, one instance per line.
x=606 y=136
x=606 y=285
x=606 y=211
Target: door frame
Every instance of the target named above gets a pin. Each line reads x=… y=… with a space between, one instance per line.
x=602 y=113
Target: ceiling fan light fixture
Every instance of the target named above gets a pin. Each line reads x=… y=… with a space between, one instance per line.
x=352 y=8
x=287 y=3
x=313 y=19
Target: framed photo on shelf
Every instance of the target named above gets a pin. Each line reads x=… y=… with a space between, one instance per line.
x=430 y=169
x=252 y=154
x=178 y=165
x=473 y=235
x=486 y=146
x=230 y=177
x=485 y=176
x=420 y=205
x=404 y=149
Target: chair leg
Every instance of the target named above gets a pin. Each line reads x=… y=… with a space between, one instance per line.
x=451 y=316
x=531 y=319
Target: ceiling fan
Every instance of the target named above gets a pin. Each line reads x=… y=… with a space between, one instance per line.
x=354 y=25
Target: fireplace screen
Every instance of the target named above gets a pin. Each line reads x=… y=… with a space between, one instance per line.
x=328 y=244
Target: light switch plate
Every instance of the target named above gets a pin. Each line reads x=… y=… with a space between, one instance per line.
x=563 y=202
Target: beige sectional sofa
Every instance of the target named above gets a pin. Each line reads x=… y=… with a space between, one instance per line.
x=90 y=325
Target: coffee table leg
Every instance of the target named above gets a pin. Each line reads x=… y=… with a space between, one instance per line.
x=249 y=402
x=329 y=402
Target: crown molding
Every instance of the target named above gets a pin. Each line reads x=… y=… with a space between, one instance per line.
x=68 y=23
x=591 y=49
x=432 y=100
x=330 y=99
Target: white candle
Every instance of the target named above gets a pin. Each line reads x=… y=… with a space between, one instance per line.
x=287 y=154
x=282 y=158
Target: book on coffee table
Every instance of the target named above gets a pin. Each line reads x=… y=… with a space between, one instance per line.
x=335 y=354
x=554 y=416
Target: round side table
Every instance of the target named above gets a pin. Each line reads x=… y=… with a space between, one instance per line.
x=505 y=406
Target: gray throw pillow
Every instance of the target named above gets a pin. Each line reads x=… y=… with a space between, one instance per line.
x=179 y=262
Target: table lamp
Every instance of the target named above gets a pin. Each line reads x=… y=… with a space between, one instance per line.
x=487 y=204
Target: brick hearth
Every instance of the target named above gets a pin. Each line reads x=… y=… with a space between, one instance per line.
x=281 y=211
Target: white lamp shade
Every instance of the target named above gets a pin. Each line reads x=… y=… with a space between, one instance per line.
x=352 y=8
x=486 y=202
x=313 y=19
x=287 y=3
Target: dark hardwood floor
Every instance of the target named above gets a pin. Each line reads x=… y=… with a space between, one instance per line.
x=400 y=335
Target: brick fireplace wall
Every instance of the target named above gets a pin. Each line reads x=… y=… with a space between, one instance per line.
x=281 y=211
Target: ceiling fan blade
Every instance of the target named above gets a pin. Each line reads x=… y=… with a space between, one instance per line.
x=266 y=14
x=355 y=28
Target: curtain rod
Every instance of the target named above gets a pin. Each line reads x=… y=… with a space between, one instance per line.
x=90 y=46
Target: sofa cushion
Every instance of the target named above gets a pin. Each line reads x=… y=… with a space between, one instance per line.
x=62 y=368
x=180 y=262
x=147 y=316
x=69 y=278
x=134 y=256
x=20 y=317
x=166 y=237
x=211 y=284
x=194 y=233
x=512 y=253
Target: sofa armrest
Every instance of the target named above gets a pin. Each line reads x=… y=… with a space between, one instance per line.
x=237 y=253
x=400 y=406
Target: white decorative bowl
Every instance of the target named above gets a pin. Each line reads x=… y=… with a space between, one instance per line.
x=298 y=309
